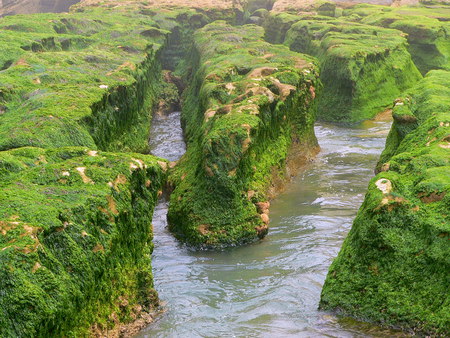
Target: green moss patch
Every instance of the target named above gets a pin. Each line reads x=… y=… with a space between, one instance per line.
x=394 y=267
x=80 y=79
x=75 y=239
x=249 y=104
x=428 y=30
x=363 y=68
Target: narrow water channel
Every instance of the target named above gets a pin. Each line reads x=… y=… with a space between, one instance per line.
x=271 y=288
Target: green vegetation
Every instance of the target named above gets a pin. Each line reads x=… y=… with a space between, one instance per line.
x=75 y=222
x=363 y=68
x=81 y=79
x=76 y=197
x=427 y=28
x=394 y=266
x=76 y=240
x=277 y=25
x=250 y=103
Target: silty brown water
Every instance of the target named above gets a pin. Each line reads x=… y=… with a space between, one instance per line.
x=271 y=288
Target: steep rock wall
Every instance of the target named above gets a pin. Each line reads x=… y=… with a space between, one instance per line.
x=248 y=105
x=394 y=266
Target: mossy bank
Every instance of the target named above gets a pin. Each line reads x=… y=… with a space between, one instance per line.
x=363 y=68
x=394 y=267
x=75 y=220
x=249 y=105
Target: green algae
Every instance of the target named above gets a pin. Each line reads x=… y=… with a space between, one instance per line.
x=76 y=239
x=249 y=102
x=85 y=79
x=363 y=68
x=393 y=267
x=277 y=25
x=75 y=222
x=428 y=30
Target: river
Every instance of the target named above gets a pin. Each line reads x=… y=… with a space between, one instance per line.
x=271 y=288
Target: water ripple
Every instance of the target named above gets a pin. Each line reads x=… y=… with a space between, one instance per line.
x=270 y=288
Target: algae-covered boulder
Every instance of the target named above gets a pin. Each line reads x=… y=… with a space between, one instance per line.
x=75 y=240
x=394 y=266
x=363 y=68
x=75 y=222
x=427 y=29
x=250 y=106
x=79 y=79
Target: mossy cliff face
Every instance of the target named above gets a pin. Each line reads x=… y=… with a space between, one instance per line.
x=363 y=68
x=75 y=240
x=75 y=222
x=394 y=266
x=249 y=104
x=81 y=79
x=427 y=29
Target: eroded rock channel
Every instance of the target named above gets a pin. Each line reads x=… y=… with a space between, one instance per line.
x=78 y=186
x=271 y=287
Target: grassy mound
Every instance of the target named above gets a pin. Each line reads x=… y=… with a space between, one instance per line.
x=249 y=105
x=394 y=266
x=363 y=68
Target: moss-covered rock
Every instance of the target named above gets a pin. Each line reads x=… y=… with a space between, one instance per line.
x=75 y=222
x=363 y=68
x=249 y=105
x=75 y=239
x=80 y=79
x=277 y=25
x=428 y=30
x=394 y=266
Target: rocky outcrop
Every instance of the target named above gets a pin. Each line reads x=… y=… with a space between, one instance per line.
x=427 y=29
x=393 y=267
x=250 y=104
x=362 y=69
x=75 y=221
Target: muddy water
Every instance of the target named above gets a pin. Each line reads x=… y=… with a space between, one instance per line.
x=271 y=288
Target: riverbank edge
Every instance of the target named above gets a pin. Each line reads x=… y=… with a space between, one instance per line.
x=393 y=266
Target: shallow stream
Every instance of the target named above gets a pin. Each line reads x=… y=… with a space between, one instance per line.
x=271 y=288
